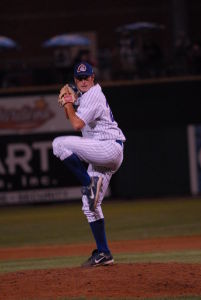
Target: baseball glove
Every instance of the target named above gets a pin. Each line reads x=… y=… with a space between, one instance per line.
x=68 y=94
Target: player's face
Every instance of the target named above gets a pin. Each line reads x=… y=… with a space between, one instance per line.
x=84 y=83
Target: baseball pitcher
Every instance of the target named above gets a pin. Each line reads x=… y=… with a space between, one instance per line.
x=101 y=147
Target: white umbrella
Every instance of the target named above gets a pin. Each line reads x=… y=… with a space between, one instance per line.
x=6 y=42
x=66 y=40
x=140 y=26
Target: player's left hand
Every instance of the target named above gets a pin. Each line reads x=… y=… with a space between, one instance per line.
x=67 y=95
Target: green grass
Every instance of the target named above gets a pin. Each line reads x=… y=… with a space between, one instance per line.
x=75 y=261
x=65 y=223
x=125 y=220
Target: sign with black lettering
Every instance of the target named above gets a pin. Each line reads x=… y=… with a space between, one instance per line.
x=29 y=172
x=27 y=164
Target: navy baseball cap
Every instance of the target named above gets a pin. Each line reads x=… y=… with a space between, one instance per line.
x=83 y=69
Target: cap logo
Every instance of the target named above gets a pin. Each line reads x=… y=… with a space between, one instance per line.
x=81 y=68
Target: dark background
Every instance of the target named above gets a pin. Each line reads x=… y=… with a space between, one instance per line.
x=153 y=114
x=32 y=22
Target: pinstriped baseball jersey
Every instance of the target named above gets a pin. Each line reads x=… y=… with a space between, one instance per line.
x=94 y=110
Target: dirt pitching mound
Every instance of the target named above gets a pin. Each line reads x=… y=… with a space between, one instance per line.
x=120 y=280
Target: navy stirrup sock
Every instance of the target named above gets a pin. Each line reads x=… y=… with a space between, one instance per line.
x=74 y=164
x=98 y=230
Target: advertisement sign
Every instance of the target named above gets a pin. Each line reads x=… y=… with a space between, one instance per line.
x=194 y=142
x=31 y=114
x=29 y=172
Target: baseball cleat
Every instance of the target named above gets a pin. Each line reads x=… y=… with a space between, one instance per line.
x=92 y=192
x=99 y=259
x=102 y=259
x=88 y=262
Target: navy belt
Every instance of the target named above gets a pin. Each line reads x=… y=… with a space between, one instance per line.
x=119 y=142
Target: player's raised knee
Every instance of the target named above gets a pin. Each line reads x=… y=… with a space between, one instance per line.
x=56 y=145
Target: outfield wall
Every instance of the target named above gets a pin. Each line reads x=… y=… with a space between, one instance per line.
x=162 y=155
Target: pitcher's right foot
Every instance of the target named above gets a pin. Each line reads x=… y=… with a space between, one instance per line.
x=99 y=259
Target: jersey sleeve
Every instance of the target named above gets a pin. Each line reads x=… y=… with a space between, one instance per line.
x=89 y=108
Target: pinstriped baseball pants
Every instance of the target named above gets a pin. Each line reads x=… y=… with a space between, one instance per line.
x=104 y=159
